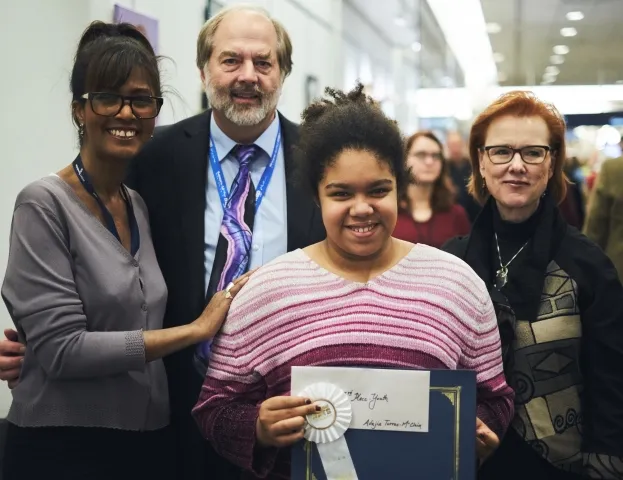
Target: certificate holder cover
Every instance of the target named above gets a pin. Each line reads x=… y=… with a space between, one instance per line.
x=446 y=452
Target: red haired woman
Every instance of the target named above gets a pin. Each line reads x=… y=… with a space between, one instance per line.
x=558 y=300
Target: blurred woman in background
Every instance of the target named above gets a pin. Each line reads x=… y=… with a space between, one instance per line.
x=428 y=212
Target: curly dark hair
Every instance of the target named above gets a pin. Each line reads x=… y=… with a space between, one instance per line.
x=344 y=121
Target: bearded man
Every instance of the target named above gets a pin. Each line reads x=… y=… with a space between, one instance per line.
x=220 y=200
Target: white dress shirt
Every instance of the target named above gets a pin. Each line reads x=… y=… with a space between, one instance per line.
x=270 y=232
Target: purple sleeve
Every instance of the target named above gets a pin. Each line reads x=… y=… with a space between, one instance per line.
x=228 y=407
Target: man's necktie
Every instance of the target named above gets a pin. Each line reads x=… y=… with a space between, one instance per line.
x=233 y=249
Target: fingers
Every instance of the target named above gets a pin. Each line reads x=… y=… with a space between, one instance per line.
x=9 y=375
x=279 y=403
x=287 y=440
x=10 y=334
x=10 y=363
x=486 y=440
x=246 y=275
x=485 y=434
x=11 y=357
x=9 y=348
x=281 y=420
x=482 y=451
x=271 y=417
x=489 y=439
x=232 y=289
x=238 y=284
x=286 y=427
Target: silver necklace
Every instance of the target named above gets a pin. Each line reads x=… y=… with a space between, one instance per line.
x=501 y=276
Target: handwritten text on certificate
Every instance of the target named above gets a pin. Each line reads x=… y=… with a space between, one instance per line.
x=381 y=399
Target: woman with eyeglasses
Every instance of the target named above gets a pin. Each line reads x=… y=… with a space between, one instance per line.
x=427 y=211
x=85 y=292
x=557 y=296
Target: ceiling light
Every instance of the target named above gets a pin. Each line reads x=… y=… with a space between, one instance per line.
x=416 y=46
x=568 y=32
x=557 y=59
x=400 y=21
x=552 y=70
x=498 y=57
x=561 y=49
x=493 y=28
x=575 y=16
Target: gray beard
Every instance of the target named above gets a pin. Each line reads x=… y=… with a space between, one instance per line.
x=241 y=115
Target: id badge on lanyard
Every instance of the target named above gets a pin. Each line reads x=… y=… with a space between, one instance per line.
x=260 y=190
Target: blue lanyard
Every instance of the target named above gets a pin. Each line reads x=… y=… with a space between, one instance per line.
x=84 y=178
x=260 y=190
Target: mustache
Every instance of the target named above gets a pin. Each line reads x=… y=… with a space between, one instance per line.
x=246 y=90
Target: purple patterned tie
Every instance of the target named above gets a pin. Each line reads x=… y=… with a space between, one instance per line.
x=234 y=228
x=231 y=258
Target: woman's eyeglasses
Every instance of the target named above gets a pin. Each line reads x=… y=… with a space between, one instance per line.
x=110 y=104
x=532 y=154
x=422 y=156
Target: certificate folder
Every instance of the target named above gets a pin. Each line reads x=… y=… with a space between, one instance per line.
x=446 y=452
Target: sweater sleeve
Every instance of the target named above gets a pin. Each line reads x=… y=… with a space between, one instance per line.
x=41 y=296
x=233 y=391
x=495 y=399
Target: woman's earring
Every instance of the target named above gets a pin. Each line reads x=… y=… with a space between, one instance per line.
x=484 y=185
x=81 y=131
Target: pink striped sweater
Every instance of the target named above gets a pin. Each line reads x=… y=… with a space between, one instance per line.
x=429 y=311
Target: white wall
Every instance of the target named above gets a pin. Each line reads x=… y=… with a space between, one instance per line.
x=37 y=40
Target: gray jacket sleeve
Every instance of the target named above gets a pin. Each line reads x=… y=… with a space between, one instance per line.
x=41 y=296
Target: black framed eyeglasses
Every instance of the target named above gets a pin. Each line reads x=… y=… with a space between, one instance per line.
x=531 y=154
x=110 y=104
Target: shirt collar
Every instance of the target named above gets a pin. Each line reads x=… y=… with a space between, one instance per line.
x=224 y=144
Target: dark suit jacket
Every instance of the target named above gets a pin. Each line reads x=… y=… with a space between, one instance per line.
x=170 y=174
